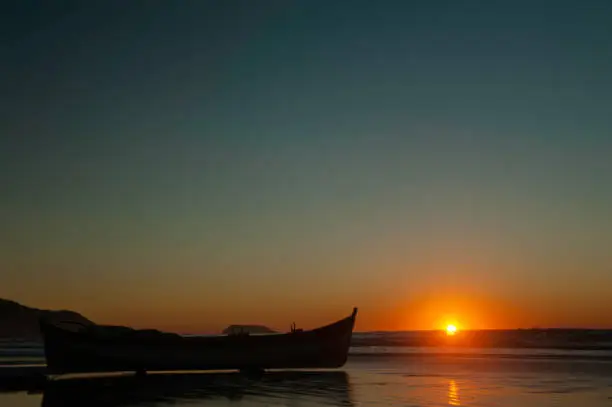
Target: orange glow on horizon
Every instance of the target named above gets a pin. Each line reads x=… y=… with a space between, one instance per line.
x=459 y=304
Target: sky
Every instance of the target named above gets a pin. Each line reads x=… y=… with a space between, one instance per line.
x=188 y=165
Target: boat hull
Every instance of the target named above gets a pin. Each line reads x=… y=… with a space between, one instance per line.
x=86 y=350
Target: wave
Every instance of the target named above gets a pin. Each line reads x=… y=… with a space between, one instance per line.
x=566 y=339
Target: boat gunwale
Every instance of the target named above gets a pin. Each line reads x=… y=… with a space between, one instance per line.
x=155 y=337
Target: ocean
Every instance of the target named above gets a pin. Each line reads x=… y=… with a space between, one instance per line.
x=376 y=374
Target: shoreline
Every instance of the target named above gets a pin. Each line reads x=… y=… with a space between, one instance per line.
x=28 y=368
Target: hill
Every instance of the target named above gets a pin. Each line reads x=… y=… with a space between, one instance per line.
x=19 y=321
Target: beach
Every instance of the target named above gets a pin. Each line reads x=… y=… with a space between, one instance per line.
x=423 y=379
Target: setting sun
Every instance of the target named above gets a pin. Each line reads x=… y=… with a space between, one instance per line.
x=451 y=330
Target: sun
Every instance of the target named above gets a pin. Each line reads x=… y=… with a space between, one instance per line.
x=451 y=329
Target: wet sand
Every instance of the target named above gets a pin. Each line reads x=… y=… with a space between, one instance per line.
x=365 y=381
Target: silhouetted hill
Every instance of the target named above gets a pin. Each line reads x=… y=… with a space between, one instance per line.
x=19 y=321
x=252 y=329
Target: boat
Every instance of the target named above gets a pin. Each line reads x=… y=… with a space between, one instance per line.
x=72 y=347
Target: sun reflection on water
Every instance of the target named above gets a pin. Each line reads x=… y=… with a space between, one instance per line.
x=453 y=393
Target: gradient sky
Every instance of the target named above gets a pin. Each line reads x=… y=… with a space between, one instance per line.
x=186 y=165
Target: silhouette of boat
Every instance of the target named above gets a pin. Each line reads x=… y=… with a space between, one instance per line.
x=324 y=387
x=78 y=348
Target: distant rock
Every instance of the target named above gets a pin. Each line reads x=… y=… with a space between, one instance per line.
x=20 y=322
x=251 y=329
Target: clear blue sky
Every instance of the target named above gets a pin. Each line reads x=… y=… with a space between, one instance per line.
x=315 y=154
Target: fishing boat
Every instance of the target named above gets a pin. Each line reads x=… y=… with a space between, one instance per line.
x=90 y=348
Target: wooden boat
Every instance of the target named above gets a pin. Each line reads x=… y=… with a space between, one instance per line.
x=76 y=348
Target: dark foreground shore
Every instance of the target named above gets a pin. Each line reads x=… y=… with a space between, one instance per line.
x=130 y=390
x=364 y=381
